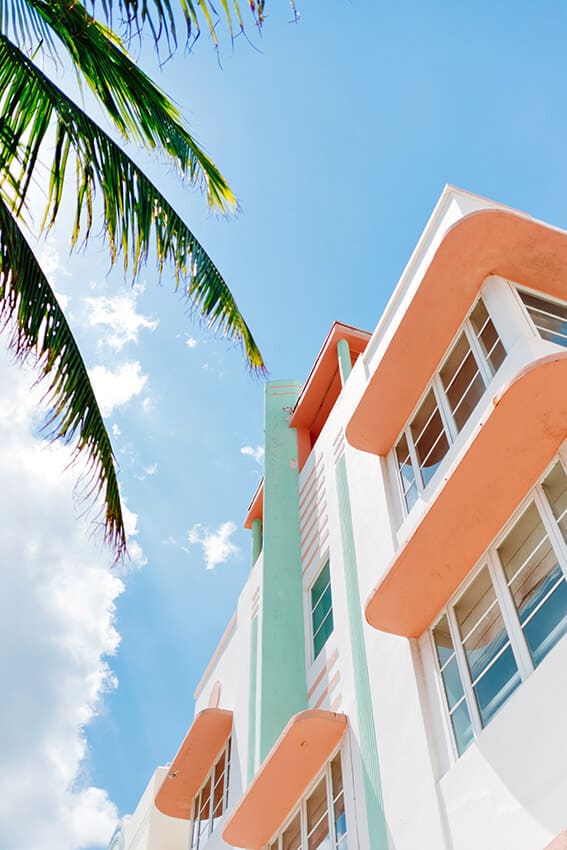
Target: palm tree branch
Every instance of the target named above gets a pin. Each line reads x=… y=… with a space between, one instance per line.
x=140 y=110
x=136 y=214
x=29 y=307
x=159 y=16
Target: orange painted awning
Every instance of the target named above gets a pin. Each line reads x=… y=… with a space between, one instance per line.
x=196 y=756
x=301 y=751
x=256 y=506
x=517 y=438
x=323 y=385
x=480 y=244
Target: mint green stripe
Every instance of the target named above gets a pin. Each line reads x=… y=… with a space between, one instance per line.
x=345 y=363
x=252 y=699
x=377 y=830
x=282 y=682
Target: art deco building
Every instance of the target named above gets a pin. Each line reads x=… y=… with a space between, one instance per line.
x=395 y=674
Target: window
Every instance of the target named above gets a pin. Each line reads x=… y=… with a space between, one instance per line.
x=319 y=823
x=321 y=610
x=549 y=317
x=448 y=403
x=500 y=627
x=211 y=801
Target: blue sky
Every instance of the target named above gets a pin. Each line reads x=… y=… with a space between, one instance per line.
x=337 y=138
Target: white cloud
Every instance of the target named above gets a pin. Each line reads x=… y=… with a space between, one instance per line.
x=118 y=314
x=116 y=430
x=137 y=556
x=147 y=404
x=191 y=342
x=147 y=472
x=217 y=545
x=114 y=389
x=257 y=453
x=57 y=608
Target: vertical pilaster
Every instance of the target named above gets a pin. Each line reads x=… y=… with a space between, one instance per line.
x=345 y=363
x=377 y=830
x=283 y=684
x=256 y=539
x=252 y=697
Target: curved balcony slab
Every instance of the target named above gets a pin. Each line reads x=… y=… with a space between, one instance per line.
x=516 y=439
x=196 y=755
x=301 y=751
x=480 y=244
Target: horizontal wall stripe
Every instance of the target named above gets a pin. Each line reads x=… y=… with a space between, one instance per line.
x=330 y=687
x=326 y=668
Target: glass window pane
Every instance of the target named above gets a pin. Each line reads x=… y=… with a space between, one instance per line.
x=321 y=609
x=291 y=837
x=320 y=585
x=535 y=579
x=204 y=812
x=452 y=683
x=321 y=637
x=218 y=796
x=487 y=336
x=555 y=488
x=317 y=818
x=462 y=727
x=429 y=437
x=336 y=775
x=407 y=473
x=443 y=641
x=549 y=317
x=462 y=381
x=496 y=685
x=491 y=662
x=549 y=622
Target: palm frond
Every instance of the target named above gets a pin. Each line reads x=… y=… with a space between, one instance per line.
x=29 y=308
x=139 y=109
x=159 y=16
x=136 y=215
x=18 y=18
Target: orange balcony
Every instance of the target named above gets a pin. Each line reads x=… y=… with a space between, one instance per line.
x=196 y=756
x=301 y=751
x=518 y=436
x=480 y=244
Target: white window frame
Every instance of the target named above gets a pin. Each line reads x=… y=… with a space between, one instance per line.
x=544 y=297
x=195 y=820
x=301 y=808
x=447 y=420
x=505 y=600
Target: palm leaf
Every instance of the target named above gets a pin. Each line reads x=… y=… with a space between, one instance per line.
x=137 y=217
x=140 y=109
x=28 y=306
x=159 y=16
x=20 y=19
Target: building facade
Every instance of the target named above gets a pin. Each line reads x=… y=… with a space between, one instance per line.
x=395 y=674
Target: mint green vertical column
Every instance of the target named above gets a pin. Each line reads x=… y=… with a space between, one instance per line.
x=252 y=698
x=368 y=748
x=256 y=539
x=283 y=684
x=345 y=363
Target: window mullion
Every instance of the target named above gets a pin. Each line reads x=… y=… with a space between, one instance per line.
x=510 y=615
x=415 y=463
x=481 y=359
x=444 y=408
x=330 y=806
x=464 y=672
x=303 y=822
x=551 y=526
